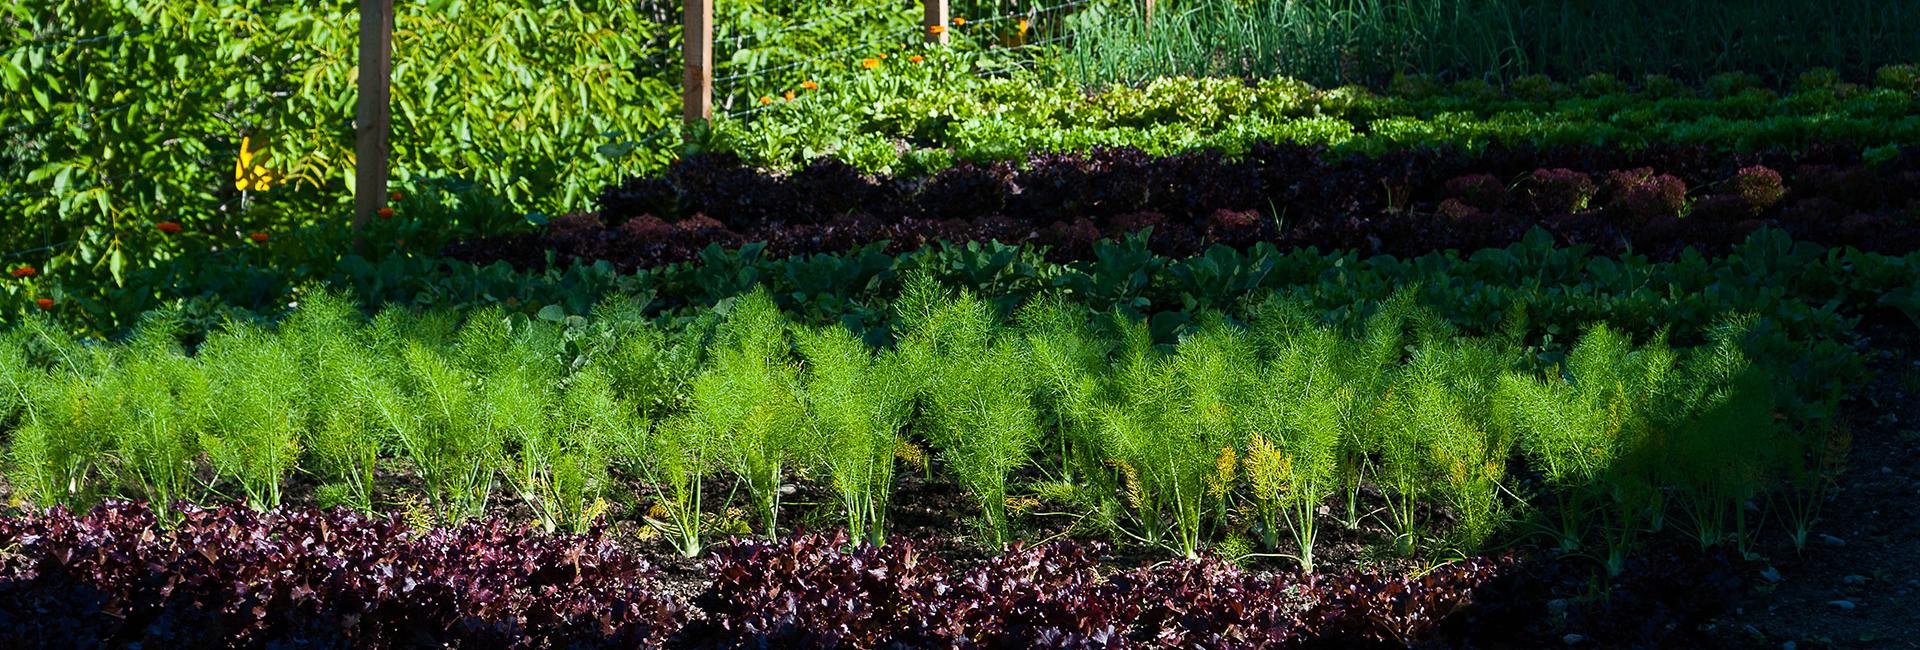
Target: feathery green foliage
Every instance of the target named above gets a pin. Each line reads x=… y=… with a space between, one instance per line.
x=748 y=404
x=256 y=410
x=1171 y=428
x=163 y=396
x=976 y=392
x=1166 y=442
x=343 y=436
x=1299 y=419
x=435 y=414
x=858 y=405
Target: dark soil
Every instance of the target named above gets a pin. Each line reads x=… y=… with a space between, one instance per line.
x=1855 y=585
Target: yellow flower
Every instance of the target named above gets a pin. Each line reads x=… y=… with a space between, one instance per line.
x=788 y=96
x=869 y=63
x=957 y=21
x=764 y=100
x=936 y=29
x=246 y=174
x=1023 y=26
x=808 y=85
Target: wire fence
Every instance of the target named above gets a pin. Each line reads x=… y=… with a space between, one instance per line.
x=746 y=89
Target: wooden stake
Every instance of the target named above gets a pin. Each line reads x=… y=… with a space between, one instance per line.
x=938 y=15
x=697 y=40
x=373 y=116
x=1149 y=12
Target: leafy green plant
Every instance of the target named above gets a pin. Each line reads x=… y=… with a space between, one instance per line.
x=1070 y=362
x=978 y=410
x=256 y=415
x=577 y=448
x=342 y=435
x=1590 y=429
x=858 y=405
x=437 y=417
x=1296 y=420
x=1721 y=449
x=63 y=425
x=1171 y=428
x=748 y=405
x=163 y=395
x=1439 y=445
x=674 y=457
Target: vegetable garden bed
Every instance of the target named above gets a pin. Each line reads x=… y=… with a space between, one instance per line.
x=1406 y=203
x=914 y=340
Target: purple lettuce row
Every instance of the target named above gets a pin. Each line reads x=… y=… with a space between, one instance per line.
x=1404 y=203
x=814 y=591
x=310 y=578
x=230 y=577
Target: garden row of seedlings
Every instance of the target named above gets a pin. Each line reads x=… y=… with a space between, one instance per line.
x=1241 y=433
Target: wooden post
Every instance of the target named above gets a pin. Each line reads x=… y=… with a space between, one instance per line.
x=697 y=44
x=373 y=117
x=1149 y=13
x=938 y=15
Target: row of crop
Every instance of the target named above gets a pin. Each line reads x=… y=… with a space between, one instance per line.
x=1806 y=292
x=1241 y=431
x=1658 y=202
x=235 y=577
x=1368 y=41
x=902 y=115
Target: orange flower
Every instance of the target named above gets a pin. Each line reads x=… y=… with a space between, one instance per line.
x=764 y=100
x=258 y=237
x=385 y=213
x=870 y=63
x=1023 y=26
x=808 y=85
x=936 y=29
x=24 y=271
x=169 y=227
x=397 y=196
x=917 y=58
x=788 y=96
x=44 y=303
x=957 y=21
